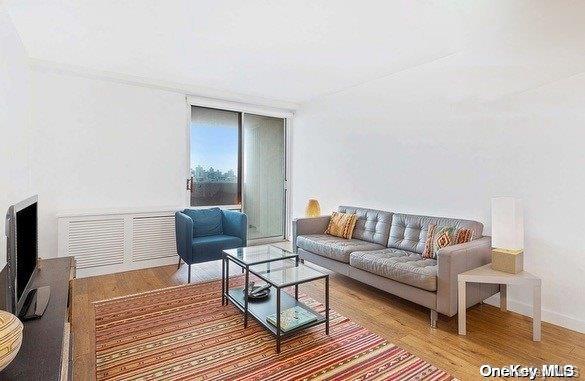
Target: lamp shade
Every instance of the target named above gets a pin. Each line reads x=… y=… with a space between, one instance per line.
x=507 y=224
x=313 y=208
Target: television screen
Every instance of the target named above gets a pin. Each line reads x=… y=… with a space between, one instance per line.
x=26 y=247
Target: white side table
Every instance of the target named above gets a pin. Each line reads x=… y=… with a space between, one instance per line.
x=485 y=274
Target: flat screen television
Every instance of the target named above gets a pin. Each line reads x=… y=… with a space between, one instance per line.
x=22 y=260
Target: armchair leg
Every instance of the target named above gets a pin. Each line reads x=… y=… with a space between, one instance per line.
x=434 y=316
x=179 y=265
x=189 y=275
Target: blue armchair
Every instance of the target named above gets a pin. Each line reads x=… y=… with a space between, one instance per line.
x=202 y=234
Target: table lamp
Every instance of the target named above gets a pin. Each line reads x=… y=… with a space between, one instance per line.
x=507 y=235
x=313 y=208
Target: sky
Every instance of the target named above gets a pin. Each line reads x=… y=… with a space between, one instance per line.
x=214 y=146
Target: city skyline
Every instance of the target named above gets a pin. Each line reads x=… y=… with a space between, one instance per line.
x=200 y=174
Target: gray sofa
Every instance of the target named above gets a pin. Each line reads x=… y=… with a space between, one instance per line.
x=385 y=252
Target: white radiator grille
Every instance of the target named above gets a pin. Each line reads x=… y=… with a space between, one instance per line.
x=153 y=237
x=97 y=242
x=109 y=241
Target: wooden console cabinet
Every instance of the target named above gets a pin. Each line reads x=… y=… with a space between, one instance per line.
x=45 y=353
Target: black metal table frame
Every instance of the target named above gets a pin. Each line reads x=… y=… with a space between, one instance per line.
x=225 y=297
x=246 y=269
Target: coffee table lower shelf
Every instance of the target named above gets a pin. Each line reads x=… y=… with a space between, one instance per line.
x=259 y=310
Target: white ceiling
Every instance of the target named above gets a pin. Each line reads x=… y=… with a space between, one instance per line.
x=299 y=50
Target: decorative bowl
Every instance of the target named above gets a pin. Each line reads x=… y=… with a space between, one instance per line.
x=10 y=338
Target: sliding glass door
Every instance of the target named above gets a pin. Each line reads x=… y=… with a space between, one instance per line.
x=264 y=175
x=237 y=161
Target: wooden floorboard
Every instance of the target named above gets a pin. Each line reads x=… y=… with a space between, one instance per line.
x=494 y=337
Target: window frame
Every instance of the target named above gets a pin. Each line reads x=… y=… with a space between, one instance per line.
x=242 y=109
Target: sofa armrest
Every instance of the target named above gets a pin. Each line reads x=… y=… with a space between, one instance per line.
x=184 y=236
x=309 y=225
x=453 y=260
x=235 y=224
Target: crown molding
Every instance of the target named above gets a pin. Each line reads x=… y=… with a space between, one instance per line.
x=186 y=89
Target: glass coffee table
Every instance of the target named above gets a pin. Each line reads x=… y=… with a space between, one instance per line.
x=280 y=269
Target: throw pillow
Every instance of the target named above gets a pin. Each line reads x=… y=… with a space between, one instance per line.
x=443 y=236
x=341 y=225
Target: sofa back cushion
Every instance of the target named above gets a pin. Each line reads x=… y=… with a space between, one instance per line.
x=409 y=231
x=372 y=225
x=205 y=221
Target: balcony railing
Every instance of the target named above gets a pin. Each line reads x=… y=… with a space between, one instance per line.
x=214 y=193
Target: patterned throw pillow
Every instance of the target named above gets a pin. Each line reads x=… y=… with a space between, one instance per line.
x=443 y=236
x=341 y=225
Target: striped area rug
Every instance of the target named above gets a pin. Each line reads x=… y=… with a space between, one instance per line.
x=184 y=333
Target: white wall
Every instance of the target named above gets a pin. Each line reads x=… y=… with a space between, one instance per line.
x=503 y=118
x=102 y=144
x=14 y=122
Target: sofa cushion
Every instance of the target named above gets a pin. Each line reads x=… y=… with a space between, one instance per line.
x=372 y=225
x=334 y=247
x=409 y=231
x=399 y=265
x=211 y=246
x=205 y=221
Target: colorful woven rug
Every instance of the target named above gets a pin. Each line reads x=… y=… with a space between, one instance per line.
x=184 y=333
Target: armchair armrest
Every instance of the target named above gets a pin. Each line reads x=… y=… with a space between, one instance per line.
x=235 y=224
x=312 y=225
x=453 y=260
x=184 y=236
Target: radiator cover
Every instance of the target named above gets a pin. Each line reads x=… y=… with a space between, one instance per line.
x=110 y=241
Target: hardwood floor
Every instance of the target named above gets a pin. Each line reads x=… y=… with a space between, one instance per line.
x=493 y=337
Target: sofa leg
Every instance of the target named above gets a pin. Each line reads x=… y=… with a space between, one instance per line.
x=179 y=265
x=189 y=274
x=434 y=316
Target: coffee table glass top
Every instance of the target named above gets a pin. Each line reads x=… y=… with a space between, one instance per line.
x=258 y=254
x=287 y=276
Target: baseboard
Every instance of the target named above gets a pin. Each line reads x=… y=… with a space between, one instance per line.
x=547 y=315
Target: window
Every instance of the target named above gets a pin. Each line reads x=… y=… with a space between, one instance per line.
x=238 y=159
x=215 y=137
